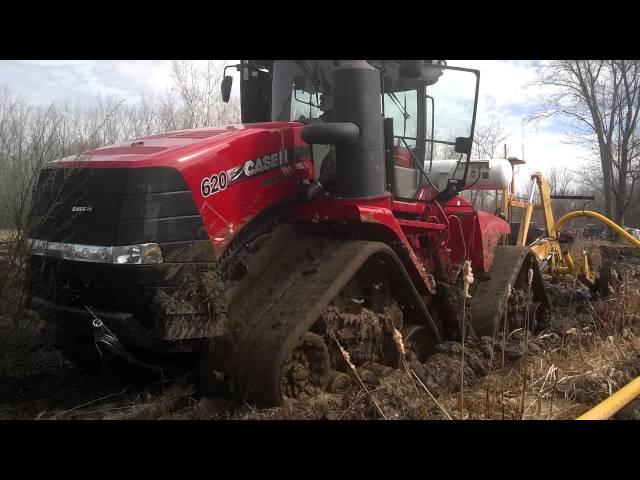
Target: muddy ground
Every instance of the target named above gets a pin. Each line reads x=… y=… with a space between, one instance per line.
x=589 y=351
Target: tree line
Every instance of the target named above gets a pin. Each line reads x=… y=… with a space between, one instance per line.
x=31 y=136
x=598 y=100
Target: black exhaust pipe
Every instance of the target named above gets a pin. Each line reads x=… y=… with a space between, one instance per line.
x=360 y=166
x=358 y=133
x=324 y=133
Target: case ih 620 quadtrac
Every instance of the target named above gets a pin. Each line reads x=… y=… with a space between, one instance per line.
x=330 y=217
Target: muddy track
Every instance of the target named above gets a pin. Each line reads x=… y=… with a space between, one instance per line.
x=503 y=377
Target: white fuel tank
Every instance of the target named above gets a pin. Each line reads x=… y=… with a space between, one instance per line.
x=492 y=174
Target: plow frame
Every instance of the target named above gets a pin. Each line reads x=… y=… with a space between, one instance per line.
x=547 y=248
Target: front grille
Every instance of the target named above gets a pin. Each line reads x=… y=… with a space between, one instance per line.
x=110 y=207
x=113 y=206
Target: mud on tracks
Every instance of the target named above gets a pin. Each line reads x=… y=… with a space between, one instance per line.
x=577 y=361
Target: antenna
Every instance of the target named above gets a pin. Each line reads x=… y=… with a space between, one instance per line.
x=522 y=136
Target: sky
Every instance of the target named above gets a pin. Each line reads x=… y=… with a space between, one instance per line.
x=506 y=95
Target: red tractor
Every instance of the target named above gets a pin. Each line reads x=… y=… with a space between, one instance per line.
x=328 y=219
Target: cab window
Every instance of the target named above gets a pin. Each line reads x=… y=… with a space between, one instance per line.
x=403 y=108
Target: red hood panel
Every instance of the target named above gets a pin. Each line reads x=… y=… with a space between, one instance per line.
x=170 y=149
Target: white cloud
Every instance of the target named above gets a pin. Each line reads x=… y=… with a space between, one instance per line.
x=506 y=95
x=545 y=150
x=506 y=82
x=46 y=81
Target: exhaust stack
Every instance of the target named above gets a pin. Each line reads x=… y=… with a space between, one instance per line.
x=358 y=131
x=360 y=166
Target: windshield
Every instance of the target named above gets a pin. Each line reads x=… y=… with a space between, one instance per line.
x=301 y=89
x=450 y=106
x=428 y=113
x=403 y=108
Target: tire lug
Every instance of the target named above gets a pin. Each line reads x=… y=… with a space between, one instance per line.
x=338 y=382
x=378 y=370
x=367 y=376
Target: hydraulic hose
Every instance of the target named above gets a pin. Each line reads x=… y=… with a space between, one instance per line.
x=610 y=223
x=614 y=403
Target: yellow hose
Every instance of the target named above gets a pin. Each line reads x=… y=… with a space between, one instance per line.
x=629 y=392
x=588 y=213
x=614 y=403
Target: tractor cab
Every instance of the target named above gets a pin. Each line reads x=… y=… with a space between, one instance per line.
x=428 y=108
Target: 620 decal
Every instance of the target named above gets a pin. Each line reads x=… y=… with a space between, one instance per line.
x=266 y=163
x=214 y=184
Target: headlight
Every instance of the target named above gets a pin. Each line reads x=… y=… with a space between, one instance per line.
x=146 y=253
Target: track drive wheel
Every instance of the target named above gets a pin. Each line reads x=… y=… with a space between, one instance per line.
x=307 y=369
x=419 y=343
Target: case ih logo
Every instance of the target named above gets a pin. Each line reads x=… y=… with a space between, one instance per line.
x=265 y=163
x=82 y=209
x=221 y=180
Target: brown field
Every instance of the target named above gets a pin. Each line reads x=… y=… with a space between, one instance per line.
x=5 y=240
x=591 y=349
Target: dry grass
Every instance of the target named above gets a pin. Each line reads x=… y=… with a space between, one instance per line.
x=135 y=406
x=6 y=238
x=556 y=385
x=591 y=362
x=20 y=344
x=592 y=247
x=12 y=276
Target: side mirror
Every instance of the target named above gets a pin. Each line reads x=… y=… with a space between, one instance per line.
x=411 y=68
x=463 y=145
x=225 y=88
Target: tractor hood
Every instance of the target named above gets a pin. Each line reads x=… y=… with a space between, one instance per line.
x=179 y=149
x=183 y=186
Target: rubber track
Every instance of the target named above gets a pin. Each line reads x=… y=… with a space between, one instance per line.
x=286 y=297
x=489 y=298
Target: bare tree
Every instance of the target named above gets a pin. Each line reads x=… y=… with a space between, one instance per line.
x=31 y=136
x=560 y=179
x=487 y=140
x=486 y=143
x=601 y=99
x=199 y=90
